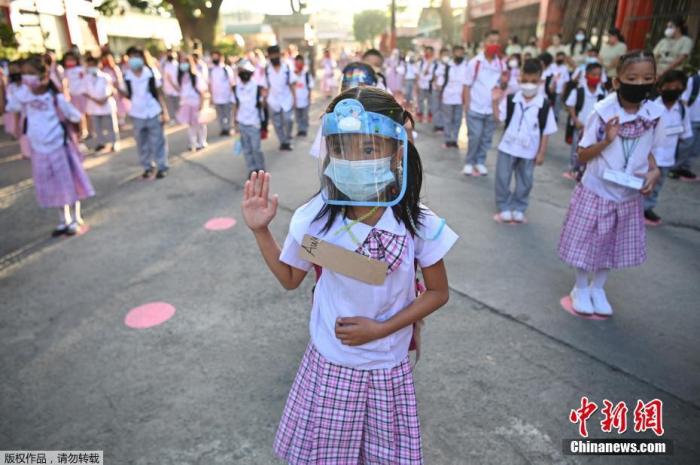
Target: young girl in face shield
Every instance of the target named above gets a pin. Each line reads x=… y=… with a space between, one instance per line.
x=353 y=399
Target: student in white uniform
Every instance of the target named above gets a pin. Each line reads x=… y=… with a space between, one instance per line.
x=74 y=75
x=426 y=73
x=280 y=96
x=303 y=82
x=438 y=86
x=171 y=89
x=579 y=105
x=409 y=79
x=360 y=328
x=452 y=95
x=604 y=226
x=676 y=122
x=689 y=149
x=485 y=72
x=249 y=97
x=529 y=121
x=193 y=89
x=221 y=81
x=561 y=76
x=101 y=106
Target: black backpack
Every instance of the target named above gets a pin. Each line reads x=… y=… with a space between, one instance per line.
x=541 y=114
x=152 y=88
x=694 y=90
x=580 y=96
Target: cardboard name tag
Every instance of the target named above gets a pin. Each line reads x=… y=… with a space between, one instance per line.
x=673 y=130
x=342 y=261
x=623 y=179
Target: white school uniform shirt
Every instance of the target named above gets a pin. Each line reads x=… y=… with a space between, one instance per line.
x=411 y=71
x=481 y=83
x=302 y=91
x=100 y=86
x=589 y=99
x=694 y=109
x=279 y=97
x=521 y=138
x=44 y=130
x=203 y=71
x=221 y=81
x=426 y=71
x=456 y=76
x=337 y=295
x=548 y=71
x=329 y=65
x=561 y=77
x=189 y=94
x=613 y=156
x=675 y=127
x=439 y=80
x=10 y=91
x=247 y=112
x=74 y=76
x=143 y=105
x=170 y=69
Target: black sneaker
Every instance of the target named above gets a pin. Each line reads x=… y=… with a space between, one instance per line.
x=225 y=133
x=161 y=174
x=652 y=217
x=287 y=147
x=72 y=229
x=59 y=231
x=685 y=173
x=147 y=173
x=100 y=147
x=301 y=134
x=438 y=129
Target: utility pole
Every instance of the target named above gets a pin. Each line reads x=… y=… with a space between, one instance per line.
x=392 y=37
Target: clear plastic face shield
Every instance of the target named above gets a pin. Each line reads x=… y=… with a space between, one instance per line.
x=363 y=157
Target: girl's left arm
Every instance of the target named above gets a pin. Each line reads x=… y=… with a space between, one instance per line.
x=359 y=330
x=68 y=110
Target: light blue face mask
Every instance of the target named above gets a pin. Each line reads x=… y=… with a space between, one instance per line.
x=136 y=63
x=184 y=66
x=360 y=180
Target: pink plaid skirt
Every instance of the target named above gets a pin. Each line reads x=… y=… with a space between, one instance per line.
x=59 y=177
x=337 y=415
x=79 y=102
x=601 y=234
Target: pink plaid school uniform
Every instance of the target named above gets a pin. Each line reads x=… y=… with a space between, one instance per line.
x=600 y=233
x=337 y=415
x=59 y=177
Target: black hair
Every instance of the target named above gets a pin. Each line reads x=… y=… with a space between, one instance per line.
x=635 y=56
x=514 y=38
x=613 y=31
x=545 y=58
x=429 y=47
x=595 y=50
x=133 y=50
x=372 y=52
x=37 y=62
x=561 y=54
x=680 y=24
x=408 y=210
x=444 y=49
x=493 y=32
x=299 y=57
x=532 y=66
x=91 y=59
x=68 y=55
x=273 y=49
x=457 y=47
x=215 y=52
x=673 y=75
x=593 y=66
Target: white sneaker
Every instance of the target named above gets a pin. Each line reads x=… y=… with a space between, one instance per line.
x=506 y=215
x=468 y=170
x=581 y=301
x=600 y=302
x=518 y=217
x=481 y=168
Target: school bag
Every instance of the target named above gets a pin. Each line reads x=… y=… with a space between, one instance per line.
x=258 y=104
x=541 y=114
x=694 y=90
x=570 y=126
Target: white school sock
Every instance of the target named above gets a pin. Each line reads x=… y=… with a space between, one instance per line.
x=202 y=135
x=192 y=133
x=599 y=278
x=65 y=215
x=581 y=278
x=77 y=216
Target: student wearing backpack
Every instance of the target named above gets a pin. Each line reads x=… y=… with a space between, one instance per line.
x=452 y=95
x=426 y=72
x=303 y=83
x=579 y=105
x=148 y=113
x=485 y=72
x=221 y=80
x=676 y=123
x=249 y=96
x=689 y=149
x=280 y=97
x=529 y=121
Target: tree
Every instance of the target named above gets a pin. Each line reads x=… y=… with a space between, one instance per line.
x=197 y=18
x=368 y=24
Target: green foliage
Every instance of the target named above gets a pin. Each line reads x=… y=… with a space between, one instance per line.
x=228 y=47
x=368 y=24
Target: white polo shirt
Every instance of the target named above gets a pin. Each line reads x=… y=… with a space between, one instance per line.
x=170 y=69
x=99 y=87
x=337 y=295
x=279 y=97
x=75 y=77
x=613 y=156
x=561 y=77
x=302 y=90
x=481 y=82
x=675 y=127
x=143 y=104
x=221 y=79
x=246 y=111
x=589 y=99
x=521 y=138
x=694 y=109
x=426 y=70
x=456 y=76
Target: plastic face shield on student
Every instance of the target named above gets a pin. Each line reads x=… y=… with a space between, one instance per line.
x=363 y=158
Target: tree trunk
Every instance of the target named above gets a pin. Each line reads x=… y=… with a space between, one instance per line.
x=202 y=28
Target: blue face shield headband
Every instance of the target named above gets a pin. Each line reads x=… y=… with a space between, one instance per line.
x=365 y=160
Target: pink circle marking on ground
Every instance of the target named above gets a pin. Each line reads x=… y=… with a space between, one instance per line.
x=219 y=224
x=568 y=306
x=150 y=314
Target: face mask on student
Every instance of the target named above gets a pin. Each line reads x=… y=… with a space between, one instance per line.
x=184 y=67
x=458 y=59
x=670 y=95
x=31 y=80
x=634 y=93
x=668 y=32
x=529 y=89
x=244 y=76
x=512 y=64
x=360 y=180
x=559 y=61
x=580 y=37
x=135 y=63
x=216 y=61
x=92 y=70
x=275 y=61
x=593 y=81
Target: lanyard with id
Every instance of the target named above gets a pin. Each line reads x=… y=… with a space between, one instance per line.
x=621 y=177
x=520 y=138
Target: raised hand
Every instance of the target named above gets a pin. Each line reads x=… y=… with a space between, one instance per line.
x=258 y=210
